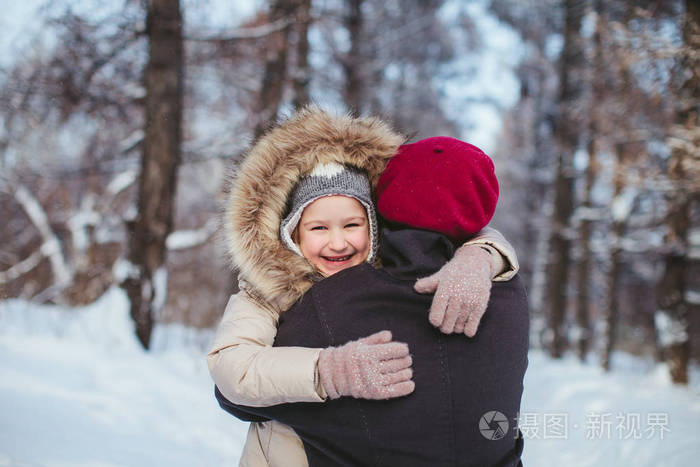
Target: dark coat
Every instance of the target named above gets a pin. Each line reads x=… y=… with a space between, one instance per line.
x=458 y=379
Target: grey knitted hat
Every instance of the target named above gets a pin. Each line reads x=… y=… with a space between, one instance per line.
x=328 y=180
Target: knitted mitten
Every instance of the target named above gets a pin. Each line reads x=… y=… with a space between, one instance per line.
x=463 y=288
x=373 y=367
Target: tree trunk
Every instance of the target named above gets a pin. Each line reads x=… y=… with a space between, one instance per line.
x=671 y=319
x=672 y=316
x=275 y=75
x=620 y=208
x=538 y=194
x=164 y=79
x=352 y=63
x=611 y=310
x=583 y=322
x=611 y=305
x=566 y=135
x=302 y=74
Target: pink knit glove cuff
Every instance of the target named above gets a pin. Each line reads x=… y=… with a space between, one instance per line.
x=373 y=367
x=462 y=290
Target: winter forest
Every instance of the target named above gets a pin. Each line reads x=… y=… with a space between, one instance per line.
x=122 y=121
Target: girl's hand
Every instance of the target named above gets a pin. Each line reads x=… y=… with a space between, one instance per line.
x=463 y=289
x=373 y=367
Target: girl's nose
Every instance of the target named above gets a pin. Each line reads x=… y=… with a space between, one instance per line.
x=337 y=240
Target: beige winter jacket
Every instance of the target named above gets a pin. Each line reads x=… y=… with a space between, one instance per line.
x=242 y=361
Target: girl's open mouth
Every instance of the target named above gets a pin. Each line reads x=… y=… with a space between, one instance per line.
x=338 y=259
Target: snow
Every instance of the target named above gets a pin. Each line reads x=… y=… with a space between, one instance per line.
x=160 y=286
x=119 y=183
x=694 y=244
x=124 y=269
x=183 y=239
x=77 y=389
x=51 y=246
x=599 y=409
x=670 y=329
x=86 y=216
x=553 y=46
x=621 y=205
x=692 y=297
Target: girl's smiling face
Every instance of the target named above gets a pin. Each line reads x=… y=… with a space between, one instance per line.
x=333 y=233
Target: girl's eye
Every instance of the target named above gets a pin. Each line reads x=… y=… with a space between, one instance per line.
x=352 y=225
x=318 y=227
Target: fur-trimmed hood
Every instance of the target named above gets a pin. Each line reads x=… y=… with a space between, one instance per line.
x=267 y=175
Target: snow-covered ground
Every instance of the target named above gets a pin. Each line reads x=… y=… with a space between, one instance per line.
x=576 y=415
x=76 y=390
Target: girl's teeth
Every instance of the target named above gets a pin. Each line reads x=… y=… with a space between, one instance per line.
x=344 y=258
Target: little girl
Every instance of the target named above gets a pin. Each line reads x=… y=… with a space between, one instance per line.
x=319 y=236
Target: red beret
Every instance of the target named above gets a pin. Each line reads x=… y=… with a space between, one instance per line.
x=440 y=184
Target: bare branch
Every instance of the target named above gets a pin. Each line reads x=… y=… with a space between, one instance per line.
x=121 y=182
x=22 y=267
x=183 y=239
x=256 y=32
x=51 y=246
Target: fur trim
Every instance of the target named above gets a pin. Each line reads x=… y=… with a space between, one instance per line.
x=267 y=175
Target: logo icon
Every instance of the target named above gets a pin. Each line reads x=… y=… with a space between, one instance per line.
x=493 y=425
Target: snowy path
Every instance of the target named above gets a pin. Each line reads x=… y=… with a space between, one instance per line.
x=76 y=390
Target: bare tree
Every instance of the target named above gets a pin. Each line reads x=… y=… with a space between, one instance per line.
x=302 y=72
x=353 y=61
x=672 y=317
x=624 y=124
x=76 y=91
x=146 y=284
x=567 y=137
x=620 y=214
x=629 y=152
x=596 y=77
x=275 y=74
x=529 y=195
